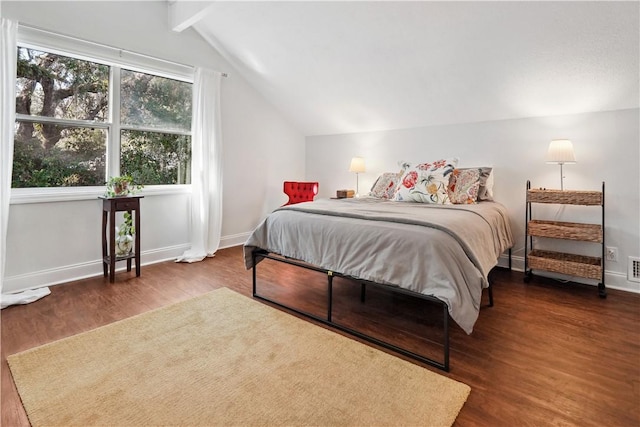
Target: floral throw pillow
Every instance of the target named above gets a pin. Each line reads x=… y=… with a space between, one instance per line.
x=464 y=185
x=385 y=186
x=426 y=182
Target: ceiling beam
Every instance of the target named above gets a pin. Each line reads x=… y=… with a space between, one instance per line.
x=183 y=14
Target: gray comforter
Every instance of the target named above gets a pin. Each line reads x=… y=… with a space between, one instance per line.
x=445 y=251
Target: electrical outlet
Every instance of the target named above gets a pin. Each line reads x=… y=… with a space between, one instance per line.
x=612 y=254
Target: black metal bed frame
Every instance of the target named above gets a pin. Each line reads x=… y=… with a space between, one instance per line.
x=444 y=364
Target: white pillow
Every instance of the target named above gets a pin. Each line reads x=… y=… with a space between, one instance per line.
x=426 y=182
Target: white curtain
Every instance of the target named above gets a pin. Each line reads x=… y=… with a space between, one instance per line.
x=8 y=60
x=206 y=167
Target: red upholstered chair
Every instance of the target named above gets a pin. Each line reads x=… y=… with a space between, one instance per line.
x=299 y=192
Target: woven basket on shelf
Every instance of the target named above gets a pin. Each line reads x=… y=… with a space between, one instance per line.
x=570 y=264
x=566 y=230
x=569 y=197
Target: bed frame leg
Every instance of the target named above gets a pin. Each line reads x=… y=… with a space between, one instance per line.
x=446 y=336
x=253 y=271
x=490 y=291
x=330 y=294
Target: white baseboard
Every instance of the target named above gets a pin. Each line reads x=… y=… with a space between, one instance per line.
x=615 y=280
x=612 y=279
x=234 y=240
x=517 y=262
x=69 y=273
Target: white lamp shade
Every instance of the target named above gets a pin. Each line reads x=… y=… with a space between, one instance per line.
x=357 y=165
x=561 y=152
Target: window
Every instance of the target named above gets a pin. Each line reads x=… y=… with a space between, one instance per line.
x=61 y=121
x=78 y=122
x=155 y=120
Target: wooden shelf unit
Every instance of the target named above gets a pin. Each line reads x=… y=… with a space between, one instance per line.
x=558 y=262
x=111 y=205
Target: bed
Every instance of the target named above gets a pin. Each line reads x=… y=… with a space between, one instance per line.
x=442 y=253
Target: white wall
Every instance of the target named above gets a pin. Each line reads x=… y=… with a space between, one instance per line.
x=56 y=242
x=606 y=146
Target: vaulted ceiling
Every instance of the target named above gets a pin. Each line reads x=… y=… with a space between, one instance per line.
x=341 y=67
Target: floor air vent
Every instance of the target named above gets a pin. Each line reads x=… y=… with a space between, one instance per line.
x=634 y=269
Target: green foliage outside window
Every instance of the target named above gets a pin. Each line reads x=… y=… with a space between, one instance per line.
x=56 y=154
x=78 y=158
x=69 y=148
x=156 y=158
x=154 y=102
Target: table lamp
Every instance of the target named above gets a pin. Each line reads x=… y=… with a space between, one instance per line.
x=561 y=152
x=357 y=166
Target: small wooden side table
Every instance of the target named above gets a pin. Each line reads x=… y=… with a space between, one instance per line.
x=111 y=205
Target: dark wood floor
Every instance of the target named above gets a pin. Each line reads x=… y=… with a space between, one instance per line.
x=547 y=353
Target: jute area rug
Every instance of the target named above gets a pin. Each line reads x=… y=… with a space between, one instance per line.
x=225 y=359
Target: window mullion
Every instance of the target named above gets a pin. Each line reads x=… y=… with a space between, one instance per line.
x=61 y=121
x=113 y=148
x=156 y=130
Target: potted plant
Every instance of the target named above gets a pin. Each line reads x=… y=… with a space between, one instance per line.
x=120 y=186
x=124 y=236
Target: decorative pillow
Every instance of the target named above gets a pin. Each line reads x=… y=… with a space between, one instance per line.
x=426 y=182
x=463 y=186
x=385 y=186
x=404 y=165
x=485 y=191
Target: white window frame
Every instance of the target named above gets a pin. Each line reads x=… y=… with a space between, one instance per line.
x=116 y=59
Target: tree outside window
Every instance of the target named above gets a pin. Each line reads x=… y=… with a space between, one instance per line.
x=155 y=117
x=64 y=130
x=58 y=100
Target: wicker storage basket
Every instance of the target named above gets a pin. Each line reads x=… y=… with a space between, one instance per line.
x=570 y=264
x=566 y=230
x=568 y=197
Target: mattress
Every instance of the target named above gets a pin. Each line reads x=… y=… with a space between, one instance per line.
x=445 y=251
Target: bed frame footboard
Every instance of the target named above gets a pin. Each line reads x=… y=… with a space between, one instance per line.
x=444 y=364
